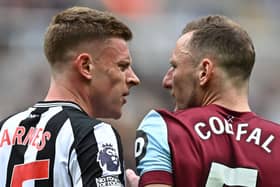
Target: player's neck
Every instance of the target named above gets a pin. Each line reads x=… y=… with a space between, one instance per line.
x=233 y=101
x=61 y=92
x=228 y=94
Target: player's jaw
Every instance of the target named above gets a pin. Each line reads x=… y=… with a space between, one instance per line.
x=120 y=101
x=123 y=98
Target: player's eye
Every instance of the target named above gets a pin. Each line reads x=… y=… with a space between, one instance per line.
x=123 y=67
x=172 y=65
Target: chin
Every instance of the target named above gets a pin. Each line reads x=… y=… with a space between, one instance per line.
x=115 y=115
x=110 y=115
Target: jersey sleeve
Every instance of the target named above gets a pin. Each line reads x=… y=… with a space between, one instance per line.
x=152 y=151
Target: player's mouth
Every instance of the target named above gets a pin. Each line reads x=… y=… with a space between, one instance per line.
x=124 y=97
x=124 y=101
x=172 y=93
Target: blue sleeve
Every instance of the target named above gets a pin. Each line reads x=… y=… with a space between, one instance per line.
x=151 y=146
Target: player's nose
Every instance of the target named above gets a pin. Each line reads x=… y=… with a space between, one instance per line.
x=132 y=78
x=167 y=79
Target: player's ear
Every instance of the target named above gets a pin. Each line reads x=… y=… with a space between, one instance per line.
x=206 y=67
x=84 y=64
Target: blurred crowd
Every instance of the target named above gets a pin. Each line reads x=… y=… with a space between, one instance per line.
x=156 y=25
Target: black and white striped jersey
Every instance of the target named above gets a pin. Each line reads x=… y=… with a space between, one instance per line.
x=58 y=144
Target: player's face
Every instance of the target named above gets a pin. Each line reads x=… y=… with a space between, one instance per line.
x=112 y=78
x=180 y=77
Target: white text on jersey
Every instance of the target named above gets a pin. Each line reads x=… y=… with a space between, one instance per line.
x=218 y=127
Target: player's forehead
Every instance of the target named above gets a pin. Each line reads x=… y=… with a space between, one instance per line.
x=183 y=41
x=116 y=47
x=118 y=43
x=181 y=50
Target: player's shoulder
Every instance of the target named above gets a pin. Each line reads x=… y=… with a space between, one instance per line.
x=264 y=120
x=266 y=123
x=67 y=112
x=160 y=118
x=15 y=118
x=191 y=113
x=80 y=118
x=152 y=119
x=152 y=115
x=85 y=127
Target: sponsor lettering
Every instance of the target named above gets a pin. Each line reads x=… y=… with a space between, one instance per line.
x=108 y=181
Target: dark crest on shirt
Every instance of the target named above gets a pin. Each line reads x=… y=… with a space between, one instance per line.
x=108 y=158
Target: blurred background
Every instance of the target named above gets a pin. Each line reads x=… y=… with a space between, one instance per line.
x=156 y=24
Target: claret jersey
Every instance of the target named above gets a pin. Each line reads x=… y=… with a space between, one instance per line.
x=208 y=146
x=58 y=144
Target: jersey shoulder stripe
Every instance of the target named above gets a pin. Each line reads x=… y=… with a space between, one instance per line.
x=153 y=151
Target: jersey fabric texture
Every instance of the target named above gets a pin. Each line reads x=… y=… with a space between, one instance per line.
x=208 y=146
x=58 y=144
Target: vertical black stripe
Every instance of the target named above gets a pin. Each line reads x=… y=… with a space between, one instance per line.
x=53 y=126
x=87 y=151
x=69 y=173
x=1 y=124
x=17 y=152
x=120 y=148
x=86 y=148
